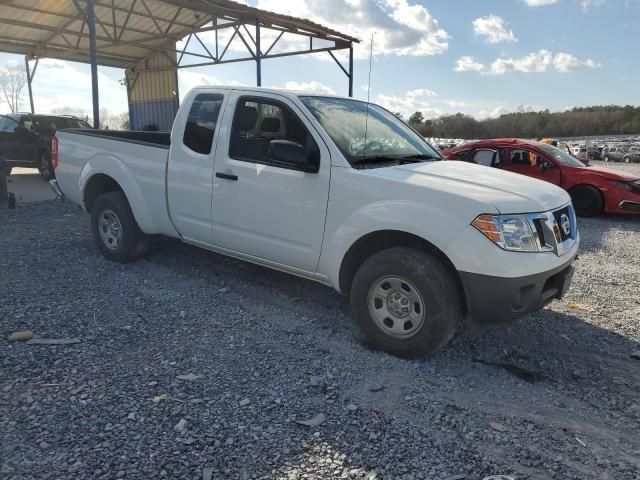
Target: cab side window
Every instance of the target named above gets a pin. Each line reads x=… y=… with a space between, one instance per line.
x=259 y=121
x=7 y=124
x=488 y=158
x=201 y=122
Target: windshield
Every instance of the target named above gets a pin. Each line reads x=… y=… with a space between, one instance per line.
x=380 y=138
x=562 y=156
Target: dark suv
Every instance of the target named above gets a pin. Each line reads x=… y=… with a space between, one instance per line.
x=25 y=139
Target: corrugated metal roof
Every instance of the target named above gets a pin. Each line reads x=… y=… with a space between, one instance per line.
x=128 y=31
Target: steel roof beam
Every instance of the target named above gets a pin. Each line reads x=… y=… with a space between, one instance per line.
x=264 y=57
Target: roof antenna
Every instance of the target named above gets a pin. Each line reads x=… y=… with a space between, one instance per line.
x=366 y=120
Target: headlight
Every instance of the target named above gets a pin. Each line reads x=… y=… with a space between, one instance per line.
x=629 y=187
x=511 y=232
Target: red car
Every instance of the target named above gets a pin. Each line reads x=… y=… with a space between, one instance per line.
x=592 y=189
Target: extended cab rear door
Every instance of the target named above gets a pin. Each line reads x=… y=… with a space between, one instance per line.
x=190 y=167
x=264 y=207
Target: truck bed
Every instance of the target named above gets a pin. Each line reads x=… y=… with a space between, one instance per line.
x=156 y=139
x=137 y=159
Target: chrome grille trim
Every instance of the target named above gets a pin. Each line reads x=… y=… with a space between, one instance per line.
x=551 y=240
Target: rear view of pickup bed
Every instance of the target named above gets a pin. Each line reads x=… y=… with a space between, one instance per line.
x=337 y=191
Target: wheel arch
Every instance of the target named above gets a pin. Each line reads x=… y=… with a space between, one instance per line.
x=379 y=240
x=97 y=185
x=590 y=185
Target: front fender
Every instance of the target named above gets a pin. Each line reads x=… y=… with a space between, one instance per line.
x=429 y=222
x=115 y=168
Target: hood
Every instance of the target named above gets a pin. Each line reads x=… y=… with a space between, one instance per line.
x=505 y=191
x=608 y=173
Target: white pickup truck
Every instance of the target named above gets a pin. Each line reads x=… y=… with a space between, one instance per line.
x=337 y=191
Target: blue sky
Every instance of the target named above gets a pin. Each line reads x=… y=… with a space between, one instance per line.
x=481 y=57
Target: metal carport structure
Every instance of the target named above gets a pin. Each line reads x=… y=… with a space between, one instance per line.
x=141 y=36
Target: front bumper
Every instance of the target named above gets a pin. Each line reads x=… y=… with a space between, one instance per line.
x=492 y=300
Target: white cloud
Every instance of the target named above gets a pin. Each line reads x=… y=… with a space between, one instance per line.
x=491 y=113
x=565 y=63
x=468 y=64
x=493 y=29
x=60 y=85
x=540 y=3
x=421 y=92
x=534 y=62
x=399 y=26
x=501 y=110
x=411 y=102
x=188 y=79
x=312 y=86
x=589 y=4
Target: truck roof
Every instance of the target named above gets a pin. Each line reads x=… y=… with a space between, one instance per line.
x=278 y=91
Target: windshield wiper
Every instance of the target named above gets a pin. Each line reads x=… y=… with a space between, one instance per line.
x=375 y=159
x=417 y=156
x=395 y=158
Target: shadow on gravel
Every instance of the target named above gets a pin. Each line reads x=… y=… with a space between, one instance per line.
x=542 y=342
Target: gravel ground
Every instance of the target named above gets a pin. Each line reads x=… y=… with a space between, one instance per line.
x=267 y=349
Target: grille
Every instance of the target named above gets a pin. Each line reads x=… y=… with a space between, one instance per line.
x=540 y=231
x=558 y=215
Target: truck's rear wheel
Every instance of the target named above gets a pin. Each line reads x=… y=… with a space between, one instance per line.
x=115 y=229
x=406 y=302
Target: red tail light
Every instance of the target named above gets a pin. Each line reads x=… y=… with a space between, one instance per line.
x=54 y=152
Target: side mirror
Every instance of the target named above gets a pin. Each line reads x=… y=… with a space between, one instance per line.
x=295 y=154
x=545 y=165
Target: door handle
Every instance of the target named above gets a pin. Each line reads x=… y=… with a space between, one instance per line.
x=227 y=176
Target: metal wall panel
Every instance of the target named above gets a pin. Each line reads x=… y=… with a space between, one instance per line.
x=157 y=113
x=152 y=88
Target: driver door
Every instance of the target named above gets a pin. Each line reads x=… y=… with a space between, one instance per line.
x=531 y=164
x=264 y=207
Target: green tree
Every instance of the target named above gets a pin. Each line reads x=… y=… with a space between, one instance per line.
x=416 y=119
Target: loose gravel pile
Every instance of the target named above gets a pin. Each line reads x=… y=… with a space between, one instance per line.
x=191 y=365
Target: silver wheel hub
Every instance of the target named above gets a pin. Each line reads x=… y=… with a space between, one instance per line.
x=396 y=307
x=110 y=229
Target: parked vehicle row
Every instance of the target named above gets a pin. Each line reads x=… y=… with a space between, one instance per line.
x=592 y=189
x=25 y=139
x=621 y=154
x=337 y=191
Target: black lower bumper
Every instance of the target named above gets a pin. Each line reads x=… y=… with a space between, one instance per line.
x=492 y=300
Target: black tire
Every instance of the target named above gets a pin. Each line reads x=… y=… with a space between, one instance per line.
x=132 y=242
x=587 y=200
x=626 y=159
x=435 y=283
x=44 y=166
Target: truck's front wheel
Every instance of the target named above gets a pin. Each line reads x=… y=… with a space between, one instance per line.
x=115 y=229
x=406 y=302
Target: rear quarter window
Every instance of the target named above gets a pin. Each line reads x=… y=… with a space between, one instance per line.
x=201 y=122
